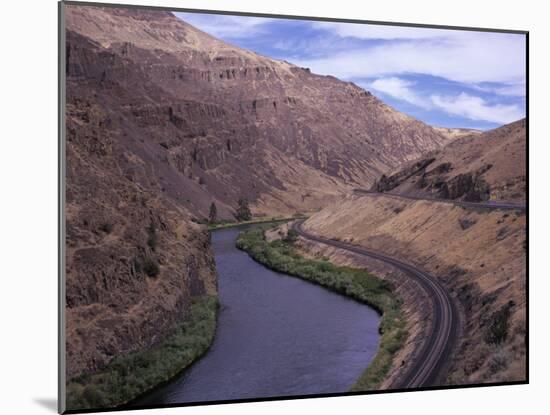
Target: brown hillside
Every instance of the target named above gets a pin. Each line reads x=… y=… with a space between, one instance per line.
x=217 y=122
x=475 y=167
x=479 y=256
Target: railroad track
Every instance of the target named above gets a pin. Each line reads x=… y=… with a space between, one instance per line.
x=436 y=349
x=495 y=205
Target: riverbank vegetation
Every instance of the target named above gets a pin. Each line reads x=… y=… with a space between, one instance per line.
x=222 y=224
x=129 y=376
x=281 y=255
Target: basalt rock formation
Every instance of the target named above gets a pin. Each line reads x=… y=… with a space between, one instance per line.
x=387 y=183
x=217 y=123
x=474 y=168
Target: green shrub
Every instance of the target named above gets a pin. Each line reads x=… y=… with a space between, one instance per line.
x=94 y=397
x=243 y=210
x=152 y=239
x=291 y=236
x=498 y=362
x=497 y=331
x=146 y=265
x=213 y=213
x=106 y=227
x=127 y=377
x=150 y=267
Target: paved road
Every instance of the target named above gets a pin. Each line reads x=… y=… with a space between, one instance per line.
x=493 y=205
x=435 y=352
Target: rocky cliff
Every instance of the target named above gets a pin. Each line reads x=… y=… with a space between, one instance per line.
x=474 y=167
x=134 y=259
x=217 y=123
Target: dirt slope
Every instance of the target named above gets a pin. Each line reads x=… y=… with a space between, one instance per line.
x=481 y=166
x=479 y=256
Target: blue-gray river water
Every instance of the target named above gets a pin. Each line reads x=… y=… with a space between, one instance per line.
x=276 y=336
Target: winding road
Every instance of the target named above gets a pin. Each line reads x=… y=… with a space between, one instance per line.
x=435 y=352
x=493 y=205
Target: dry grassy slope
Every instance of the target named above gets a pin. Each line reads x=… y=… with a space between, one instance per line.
x=454 y=133
x=489 y=165
x=480 y=256
x=504 y=148
x=223 y=122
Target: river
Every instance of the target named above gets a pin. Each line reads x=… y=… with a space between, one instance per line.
x=276 y=336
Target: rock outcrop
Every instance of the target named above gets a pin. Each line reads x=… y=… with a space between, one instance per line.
x=475 y=167
x=134 y=258
x=219 y=123
x=387 y=183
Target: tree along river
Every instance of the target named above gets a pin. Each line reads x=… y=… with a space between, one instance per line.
x=276 y=335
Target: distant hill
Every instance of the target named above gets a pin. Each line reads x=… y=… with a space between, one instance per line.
x=453 y=133
x=475 y=167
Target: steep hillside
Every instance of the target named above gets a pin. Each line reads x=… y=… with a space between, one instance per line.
x=480 y=257
x=216 y=123
x=134 y=260
x=475 y=167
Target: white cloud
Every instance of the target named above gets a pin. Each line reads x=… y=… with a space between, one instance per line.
x=517 y=90
x=468 y=58
x=464 y=105
x=230 y=27
x=400 y=89
x=386 y=32
x=489 y=62
x=477 y=108
x=463 y=56
x=511 y=90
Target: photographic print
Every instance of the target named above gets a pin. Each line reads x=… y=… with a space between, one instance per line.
x=275 y=207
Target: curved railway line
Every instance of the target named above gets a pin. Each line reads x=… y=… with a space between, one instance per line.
x=436 y=350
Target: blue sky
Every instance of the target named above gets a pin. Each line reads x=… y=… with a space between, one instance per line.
x=447 y=78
